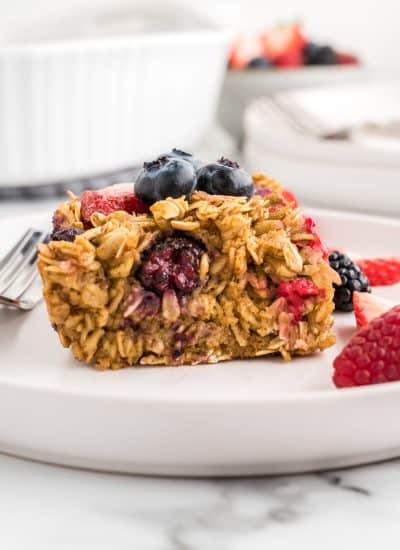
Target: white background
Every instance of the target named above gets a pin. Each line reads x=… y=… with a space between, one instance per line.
x=369 y=27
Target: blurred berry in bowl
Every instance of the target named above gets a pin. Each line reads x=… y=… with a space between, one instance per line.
x=284 y=46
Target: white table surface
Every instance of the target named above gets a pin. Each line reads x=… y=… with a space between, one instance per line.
x=49 y=508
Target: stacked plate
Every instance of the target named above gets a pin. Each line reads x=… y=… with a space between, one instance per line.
x=333 y=147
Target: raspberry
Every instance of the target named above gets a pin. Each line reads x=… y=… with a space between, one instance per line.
x=373 y=354
x=295 y=293
x=172 y=264
x=381 y=271
x=110 y=199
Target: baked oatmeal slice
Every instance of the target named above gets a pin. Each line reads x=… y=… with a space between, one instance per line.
x=195 y=280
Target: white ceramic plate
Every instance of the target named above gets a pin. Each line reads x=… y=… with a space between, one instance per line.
x=243 y=417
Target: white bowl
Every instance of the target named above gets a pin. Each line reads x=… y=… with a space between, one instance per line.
x=240 y=88
x=104 y=99
x=335 y=174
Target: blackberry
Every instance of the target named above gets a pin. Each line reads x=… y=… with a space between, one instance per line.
x=66 y=233
x=353 y=278
x=172 y=264
x=314 y=54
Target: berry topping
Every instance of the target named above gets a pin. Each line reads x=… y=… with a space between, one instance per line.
x=291 y=199
x=296 y=292
x=66 y=233
x=367 y=307
x=381 y=271
x=343 y=58
x=311 y=228
x=58 y=219
x=373 y=354
x=172 y=264
x=141 y=304
x=179 y=154
x=259 y=62
x=110 y=199
x=165 y=177
x=290 y=59
x=225 y=177
x=244 y=50
x=353 y=279
x=283 y=40
x=260 y=191
x=318 y=55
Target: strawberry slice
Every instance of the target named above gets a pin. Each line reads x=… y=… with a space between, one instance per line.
x=290 y=198
x=381 y=271
x=110 y=199
x=244 y=49
x=311 y=228
x=368 y=307
x=290 y=59
x=283 y=40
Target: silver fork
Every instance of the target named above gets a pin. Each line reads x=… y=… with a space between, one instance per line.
x=18 y=272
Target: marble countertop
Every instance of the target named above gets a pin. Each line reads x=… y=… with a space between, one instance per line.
x=49 y=508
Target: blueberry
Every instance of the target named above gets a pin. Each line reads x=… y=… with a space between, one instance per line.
x=259 y=63
x=165 y=177
x=179 y=154
x=225 y=177
x=315 y=54
x=66 y=233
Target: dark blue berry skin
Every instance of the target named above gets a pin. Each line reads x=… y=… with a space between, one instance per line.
x=259 y=63
x=318 y=55
x=66 y=233
x=163 y=178
x=225 y=177
x=179 y=154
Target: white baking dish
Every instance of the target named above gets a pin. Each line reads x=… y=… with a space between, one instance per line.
x=106 y=99
x=328 y=173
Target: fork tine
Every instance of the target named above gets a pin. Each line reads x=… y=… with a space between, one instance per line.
x=22 y=282
x=29 y=298
x=16 y=249
x=26 y=277
x=15 y=267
